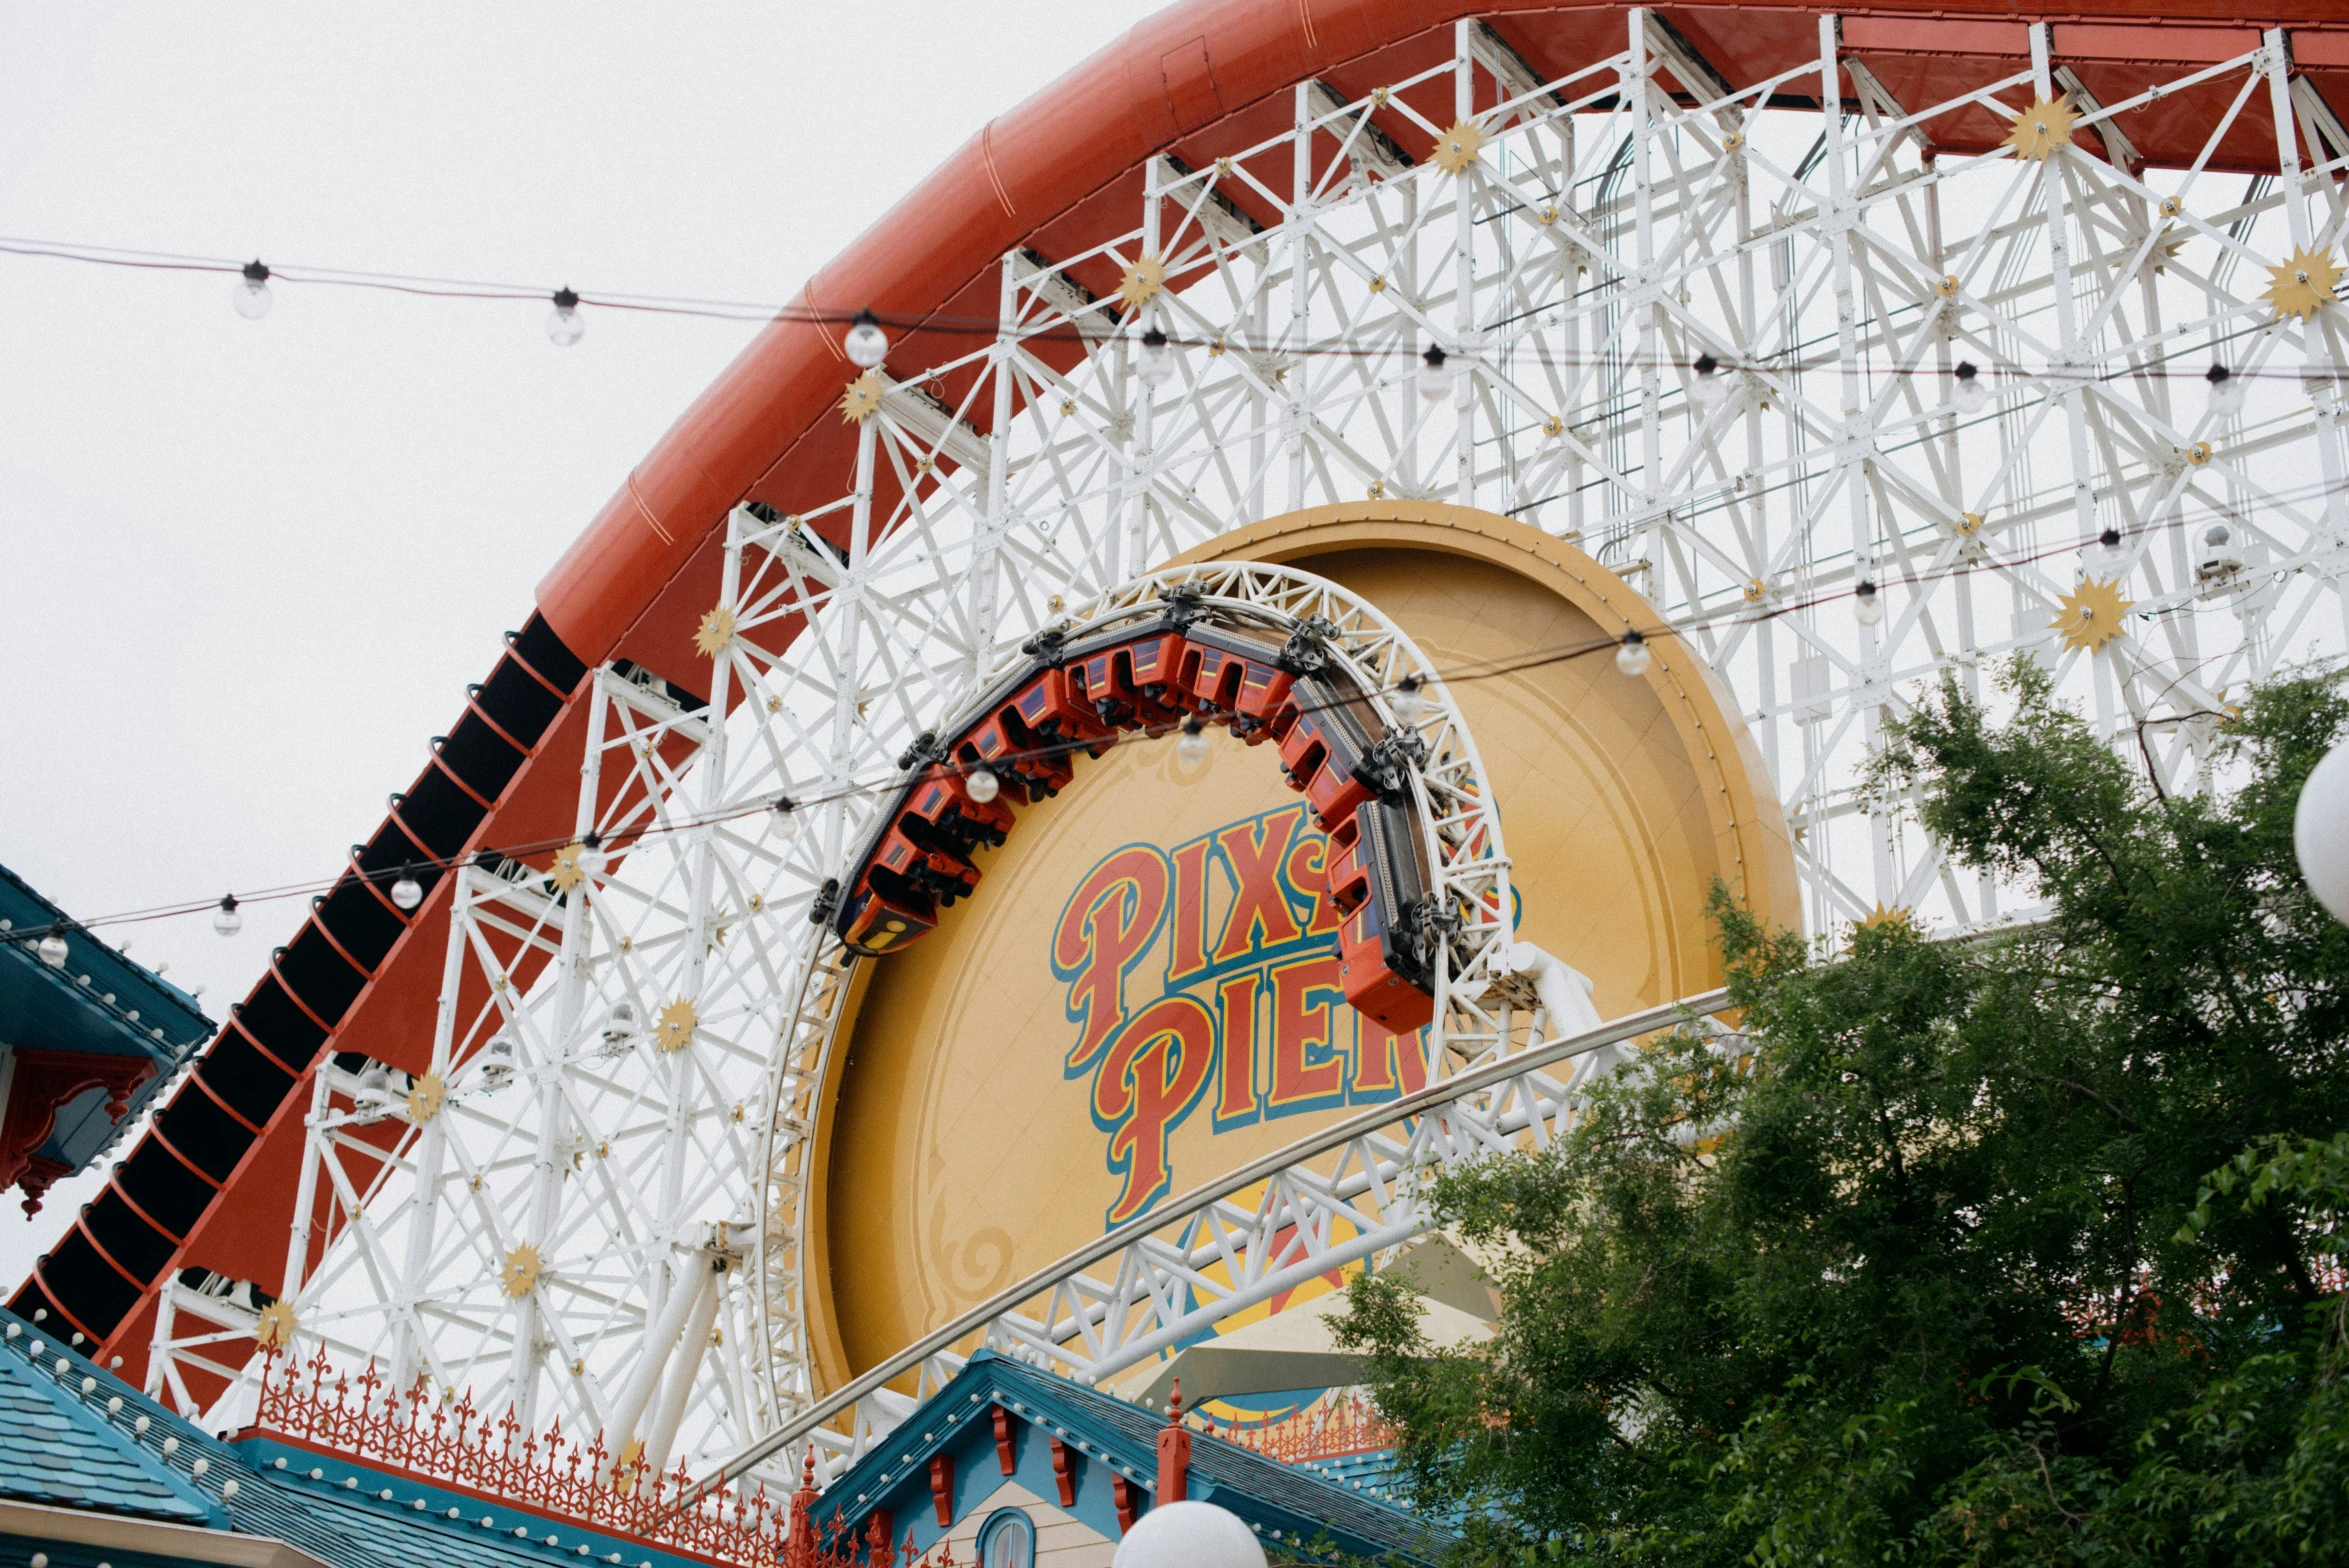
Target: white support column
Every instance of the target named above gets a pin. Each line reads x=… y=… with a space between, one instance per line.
x=1134 y=552
x=1464 y=335
x=995 y=522
x=1647 y=300
x=2318 y=367
x=416 y=1267
x=652 y=1355
x=685 y=1364
x=1296 y=409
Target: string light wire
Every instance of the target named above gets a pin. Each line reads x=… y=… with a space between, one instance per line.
x=427 y=286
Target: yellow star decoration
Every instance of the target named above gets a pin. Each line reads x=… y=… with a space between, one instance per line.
x=520 y=1275
x=2042 y=128
x=1144 y=277
x=424 y=1098
x=674 y=1029
x=2304 y=284
x=1457 y=148
x=568 y=873
x=2090 y=615
x=275 y=1331
x=862 y=400
x=715 y=632
x=1880 y=917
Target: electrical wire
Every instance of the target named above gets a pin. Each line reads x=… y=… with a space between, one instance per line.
x=940 y=325
x=625 y=839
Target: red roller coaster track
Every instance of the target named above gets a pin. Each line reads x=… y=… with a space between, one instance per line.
x=211 y=1186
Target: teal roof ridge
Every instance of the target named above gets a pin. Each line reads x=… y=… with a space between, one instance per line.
x=66 y=1451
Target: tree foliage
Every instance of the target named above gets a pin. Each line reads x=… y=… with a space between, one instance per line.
x=2024 y=1249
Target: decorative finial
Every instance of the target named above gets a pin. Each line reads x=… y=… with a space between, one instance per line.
x=1174 y=1404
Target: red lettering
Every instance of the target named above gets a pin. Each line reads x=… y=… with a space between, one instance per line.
x=1301 y=996
x=1152 y=1073
x=1109 y=924
x=1190 y=912
x=1260 y=914
x=1378 y=1050
x=1308 y=873
x=1236 y=1062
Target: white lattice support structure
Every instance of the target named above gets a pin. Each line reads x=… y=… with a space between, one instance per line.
x=1595 y=237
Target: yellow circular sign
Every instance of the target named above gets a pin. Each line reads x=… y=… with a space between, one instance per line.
x=1142 y=993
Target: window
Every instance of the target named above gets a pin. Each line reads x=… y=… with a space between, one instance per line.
x=1007 y=1540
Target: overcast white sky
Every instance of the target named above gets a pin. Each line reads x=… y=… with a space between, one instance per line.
x=246 y=568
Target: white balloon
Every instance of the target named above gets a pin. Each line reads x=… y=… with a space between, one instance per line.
x=1189 y=1535
x=2320 y=832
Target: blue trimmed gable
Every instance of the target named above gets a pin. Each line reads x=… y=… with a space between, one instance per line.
x=1106 y=1440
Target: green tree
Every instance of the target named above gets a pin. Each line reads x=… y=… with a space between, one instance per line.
x=2023 y=1249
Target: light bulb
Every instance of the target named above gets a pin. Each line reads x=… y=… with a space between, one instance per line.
x=407 y=892
x=52 y=950
x=251 y=296
x=564 y=325
x=1409 y=703
x=783 y=819
x=620 y=1028
x=372 y=1096
x=2226 y=391
x=1867 y=604
x=1191 y=750
x=1435 y=374
x=1972 y=393
x=592 y=859
x=866 y=343
x=1157 y=359
x=1634 y=656
x=497 y=1063
x=1710 y=386
x=2320 y=832
x=982 y=785
x=226 y=920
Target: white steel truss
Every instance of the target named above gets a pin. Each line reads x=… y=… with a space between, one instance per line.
x=1581 y=249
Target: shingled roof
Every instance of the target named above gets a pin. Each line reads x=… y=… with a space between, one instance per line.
x=71 y=1434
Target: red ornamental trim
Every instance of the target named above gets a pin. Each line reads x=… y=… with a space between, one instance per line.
x=1350 y=1426
x=452 y=1444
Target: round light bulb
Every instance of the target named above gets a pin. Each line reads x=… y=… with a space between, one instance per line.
x=2226 y=391
x=1191 y=749
x=866 y=343
x=1409 y=702
x=982 y=785
x=226 y=919
x=1634 y=656
x=251 y=295
x=2320 y=832
x=1188 y=1535
x=407 y=892
x=52 y=950
x=620 y=1028
x=783 y=819
x=1709 y=386
x=592 y=859
x=1435 y=374
x=1157 y=359
x=564 y=325
x=1972 y=393
x=1867 y=604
